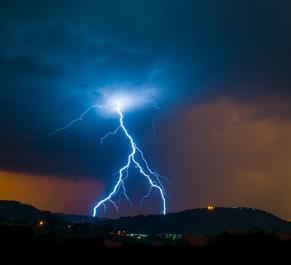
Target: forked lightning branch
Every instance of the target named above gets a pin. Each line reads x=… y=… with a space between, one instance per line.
x=135 y=158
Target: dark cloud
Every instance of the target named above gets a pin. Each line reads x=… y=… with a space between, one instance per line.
x=55 y=56
x=27 y=67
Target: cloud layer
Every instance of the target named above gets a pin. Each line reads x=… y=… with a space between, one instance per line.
x=56 y=56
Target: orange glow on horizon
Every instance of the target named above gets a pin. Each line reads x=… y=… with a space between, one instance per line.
x=50 y=193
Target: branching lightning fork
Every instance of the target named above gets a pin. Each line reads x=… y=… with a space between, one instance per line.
x=136 y=157
x=132 y=158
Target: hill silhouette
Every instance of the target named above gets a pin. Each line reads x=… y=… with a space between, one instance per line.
x=195 y=221
x=17 y=212
x=202 y=221
x=13 y=211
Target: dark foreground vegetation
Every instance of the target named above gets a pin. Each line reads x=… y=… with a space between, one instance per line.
x=32 y=236
x=86 y=245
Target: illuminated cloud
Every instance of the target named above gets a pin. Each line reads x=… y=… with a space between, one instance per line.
x=229 y=153
x=127 y=99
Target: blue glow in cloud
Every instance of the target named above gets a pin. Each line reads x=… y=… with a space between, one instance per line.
x=118 y=103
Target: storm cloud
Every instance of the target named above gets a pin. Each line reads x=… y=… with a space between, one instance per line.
x=55 y=56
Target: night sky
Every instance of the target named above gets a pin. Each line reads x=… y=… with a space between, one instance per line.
x=221 y=75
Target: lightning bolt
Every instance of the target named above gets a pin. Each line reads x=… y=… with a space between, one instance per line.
x=136 y=157
x=75 y=120
x=132 y=158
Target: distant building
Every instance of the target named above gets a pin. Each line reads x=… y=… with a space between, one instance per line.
x=173 y=236
x=210 y=208
x=120 y=233
x=138 y=236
